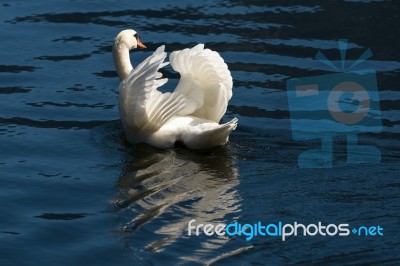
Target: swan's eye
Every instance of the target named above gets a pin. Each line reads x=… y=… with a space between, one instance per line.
x=136 y=36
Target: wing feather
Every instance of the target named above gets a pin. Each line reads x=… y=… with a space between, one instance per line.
x=206 y=82
x=141 y=105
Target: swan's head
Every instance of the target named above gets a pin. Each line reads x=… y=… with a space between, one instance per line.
x=130 y=39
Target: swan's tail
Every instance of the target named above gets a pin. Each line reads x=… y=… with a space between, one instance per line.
x=212 y=137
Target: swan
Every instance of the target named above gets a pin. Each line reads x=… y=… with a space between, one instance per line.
x=190 y=114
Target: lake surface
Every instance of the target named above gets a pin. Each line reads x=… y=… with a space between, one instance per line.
x=73 y=192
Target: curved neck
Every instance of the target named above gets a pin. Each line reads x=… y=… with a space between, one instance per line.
x=121 y=60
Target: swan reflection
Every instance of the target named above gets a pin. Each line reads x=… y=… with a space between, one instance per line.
x=160 y=191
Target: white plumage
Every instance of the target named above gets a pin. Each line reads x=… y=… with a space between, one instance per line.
x=191 y=113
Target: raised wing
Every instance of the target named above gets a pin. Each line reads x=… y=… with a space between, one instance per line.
x=206 y=82
x=142 y=107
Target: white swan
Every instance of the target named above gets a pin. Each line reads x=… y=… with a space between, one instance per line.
x=190 y=114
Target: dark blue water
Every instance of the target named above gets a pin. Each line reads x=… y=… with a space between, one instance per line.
x=73 y=192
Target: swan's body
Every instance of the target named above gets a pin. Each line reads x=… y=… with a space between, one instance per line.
x=190 y=114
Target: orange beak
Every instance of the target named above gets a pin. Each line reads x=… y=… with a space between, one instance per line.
x=141 y=45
